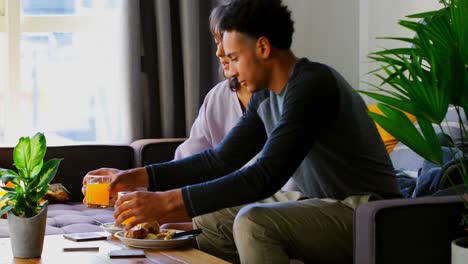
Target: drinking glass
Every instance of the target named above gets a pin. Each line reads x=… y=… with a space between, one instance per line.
x=126 y=221
x=97 y=194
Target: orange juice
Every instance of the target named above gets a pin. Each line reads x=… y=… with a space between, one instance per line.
x=97 y=194
x=128 y=220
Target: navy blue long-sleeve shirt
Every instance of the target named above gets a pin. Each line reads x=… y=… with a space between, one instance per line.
x=316 y=130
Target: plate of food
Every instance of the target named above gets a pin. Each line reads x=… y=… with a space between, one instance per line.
x=148 y=235
x=111 y=228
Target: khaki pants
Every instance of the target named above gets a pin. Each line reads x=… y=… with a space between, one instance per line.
x=281 y=227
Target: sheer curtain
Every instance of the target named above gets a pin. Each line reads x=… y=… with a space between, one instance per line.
x=128 y=121
x=178 y=65
x=118 y=121
x=103 y=71
x=70 y=69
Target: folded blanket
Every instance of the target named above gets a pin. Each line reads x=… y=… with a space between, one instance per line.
x=433 y=178
x=406 y=183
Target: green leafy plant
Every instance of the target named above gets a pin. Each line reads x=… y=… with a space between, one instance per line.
x=31 y=181
x=424 y=79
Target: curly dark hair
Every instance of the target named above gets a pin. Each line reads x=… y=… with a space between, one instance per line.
x=257 y=18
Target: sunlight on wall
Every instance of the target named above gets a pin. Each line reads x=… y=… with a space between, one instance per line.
x=379 y=18
x=341 y=33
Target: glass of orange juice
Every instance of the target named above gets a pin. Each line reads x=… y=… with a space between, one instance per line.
x=97 y=194
x=126 y=221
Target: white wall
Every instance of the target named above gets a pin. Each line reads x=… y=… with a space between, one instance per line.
x=327 y=31
x=379 y=18
x=341 y=33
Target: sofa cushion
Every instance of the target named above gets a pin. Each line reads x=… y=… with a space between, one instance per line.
x=74 y=217
x=404 y=159
x=70 y=218
x=451 y=125
x=150 y=151
x=77 y=161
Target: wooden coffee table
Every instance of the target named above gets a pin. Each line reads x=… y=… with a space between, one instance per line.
x=53 y=253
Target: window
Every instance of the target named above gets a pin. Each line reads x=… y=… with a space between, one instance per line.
x=59 y=70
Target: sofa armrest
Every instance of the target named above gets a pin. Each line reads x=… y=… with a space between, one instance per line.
x=412 y=230
x=150 y=151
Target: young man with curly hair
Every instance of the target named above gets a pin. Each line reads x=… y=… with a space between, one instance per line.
x=307 y=123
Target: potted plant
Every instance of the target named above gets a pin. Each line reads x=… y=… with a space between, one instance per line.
x=425 y=78
x=24 y=203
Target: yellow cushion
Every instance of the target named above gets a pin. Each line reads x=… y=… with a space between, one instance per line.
x=389 y=140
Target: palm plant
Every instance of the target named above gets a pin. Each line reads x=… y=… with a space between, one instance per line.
x=425 y=79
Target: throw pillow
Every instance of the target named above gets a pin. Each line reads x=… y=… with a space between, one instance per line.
x=57 y=193
x=389 y=140
x=406 y=160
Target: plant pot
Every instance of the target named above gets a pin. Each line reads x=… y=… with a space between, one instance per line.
x=27 y=234
x=460 y=250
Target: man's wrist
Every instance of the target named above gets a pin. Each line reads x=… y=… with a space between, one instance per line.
x=175 y=201
x=141 y=176
x=175 y=205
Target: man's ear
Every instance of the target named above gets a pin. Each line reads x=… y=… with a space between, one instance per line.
x=263 y=47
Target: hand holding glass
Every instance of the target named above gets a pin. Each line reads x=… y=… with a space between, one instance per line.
x=97 y=193
x=126 y=221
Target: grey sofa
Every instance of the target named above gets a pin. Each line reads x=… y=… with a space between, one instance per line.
x=406 y=231
x=73 y=216
x=416 y=230
x=403 y=231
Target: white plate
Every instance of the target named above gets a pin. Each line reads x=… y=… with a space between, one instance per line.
x=154 y=243
x=110 y=228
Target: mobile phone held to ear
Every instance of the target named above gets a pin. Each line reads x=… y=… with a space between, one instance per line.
x=127 y=253
x=79 y=237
